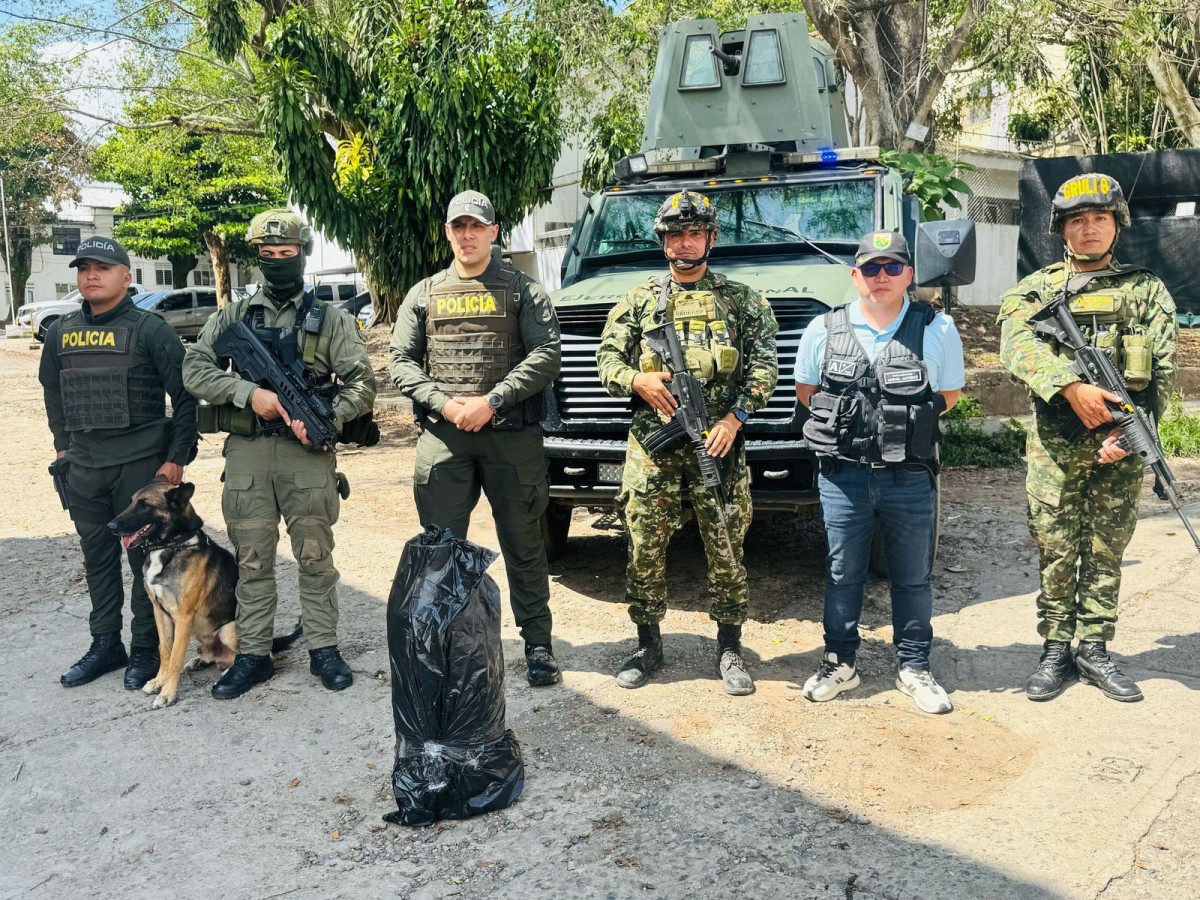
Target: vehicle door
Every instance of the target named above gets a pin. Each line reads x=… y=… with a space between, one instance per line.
x=176 y=308
x=206 y=305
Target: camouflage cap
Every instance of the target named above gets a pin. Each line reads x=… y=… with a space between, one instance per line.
x=685 y=210
x=280 y=226
x=882 y=245
x=1094 y=190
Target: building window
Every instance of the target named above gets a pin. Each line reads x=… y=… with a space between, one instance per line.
x=66 y=241
x=993 y=210
x=61 y=289
x=162 y=278
x=137 y=277
x=699 y=64
x=202 y=277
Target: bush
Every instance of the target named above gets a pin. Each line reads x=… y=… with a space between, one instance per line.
x=1178 y=431
x=967 y=444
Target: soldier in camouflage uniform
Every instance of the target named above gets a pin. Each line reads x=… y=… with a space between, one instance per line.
x=713 y=316
x=1083 y=496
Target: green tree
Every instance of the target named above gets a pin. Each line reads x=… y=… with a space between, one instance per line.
x=190 y=193
x=40 y=156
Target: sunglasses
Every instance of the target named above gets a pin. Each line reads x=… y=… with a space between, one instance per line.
x=894 y=269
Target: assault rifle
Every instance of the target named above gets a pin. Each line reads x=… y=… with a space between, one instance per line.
x=690 y=421
x=58 y=471
x=1092 y=364
x=255 y=362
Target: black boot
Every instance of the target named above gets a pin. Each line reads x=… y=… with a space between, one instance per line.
x=1096 y=668
x=143 y=665
x=730 y=667
x=247 y=671
x=648 y=659
x=328 y=663
x=106 y=654
x=542 y=668
x=1055 y=671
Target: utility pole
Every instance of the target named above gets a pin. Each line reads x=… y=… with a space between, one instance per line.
x=12 y=306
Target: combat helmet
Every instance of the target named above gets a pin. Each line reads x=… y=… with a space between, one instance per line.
x=1093 y=190
x=280 y=226
x=683 y=211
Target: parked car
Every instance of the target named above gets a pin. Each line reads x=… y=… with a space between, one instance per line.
x=186 y=310
x=361 y=307
x=38 y=317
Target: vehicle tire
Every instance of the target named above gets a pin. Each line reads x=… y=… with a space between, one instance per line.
x=878 y=561
x=44 y=329
x=556 y=523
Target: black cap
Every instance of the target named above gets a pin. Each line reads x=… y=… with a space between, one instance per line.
x=101 y=249
x=882 y=245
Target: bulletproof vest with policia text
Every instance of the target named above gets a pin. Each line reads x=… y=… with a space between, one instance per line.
x=708 y=342
x=473 y=335
x=881 y=412
x=105 y=380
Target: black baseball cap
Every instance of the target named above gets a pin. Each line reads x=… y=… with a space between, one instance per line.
x=473 y=204
x=101 y=249
x=882 y=245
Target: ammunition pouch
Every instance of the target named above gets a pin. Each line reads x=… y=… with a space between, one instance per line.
x=226 y=417
x=1137 y=358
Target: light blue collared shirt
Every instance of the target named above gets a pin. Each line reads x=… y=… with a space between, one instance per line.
x=943 y=347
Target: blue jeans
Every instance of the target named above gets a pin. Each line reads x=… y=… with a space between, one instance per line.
x=903 y=501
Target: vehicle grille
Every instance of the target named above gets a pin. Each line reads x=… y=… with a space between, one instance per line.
x=581 y=396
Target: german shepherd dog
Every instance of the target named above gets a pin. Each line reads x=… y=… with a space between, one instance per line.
x=190 y=581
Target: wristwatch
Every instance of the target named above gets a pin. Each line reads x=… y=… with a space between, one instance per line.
x=741 y=415
x=495 y=401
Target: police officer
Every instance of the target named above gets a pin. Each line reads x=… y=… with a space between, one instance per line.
x=876 y=374
x=105 y=374
x=1083 y=496
x=271 y=467
x=730 y=338
x=474 y=347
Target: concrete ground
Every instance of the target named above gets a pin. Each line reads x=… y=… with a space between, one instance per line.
x=674 y=790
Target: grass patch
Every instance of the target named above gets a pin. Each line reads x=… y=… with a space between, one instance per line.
x=967 y=444
x=1178 y=431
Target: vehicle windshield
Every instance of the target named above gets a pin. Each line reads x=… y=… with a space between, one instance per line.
x=839 y=211
x=145 y=301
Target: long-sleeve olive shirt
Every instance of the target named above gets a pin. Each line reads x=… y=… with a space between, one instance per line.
x=528 y=378
x=341 y=351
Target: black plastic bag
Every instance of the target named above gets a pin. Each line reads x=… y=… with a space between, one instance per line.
x=454 y=758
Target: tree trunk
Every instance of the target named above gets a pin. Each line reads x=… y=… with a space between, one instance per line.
x=181 y=266
x=1174 y=93
x=219 y=251
x=22 y=267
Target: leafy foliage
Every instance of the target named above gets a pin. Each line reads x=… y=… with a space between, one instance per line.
x=1178 y=431
x=424 y=98
x=932 y=180
x=967 y=443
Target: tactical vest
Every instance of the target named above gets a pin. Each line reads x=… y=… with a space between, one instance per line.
x=105 y=380
x=881 y=412
x=473 y=335
x=1106 y=314
x=711 y=352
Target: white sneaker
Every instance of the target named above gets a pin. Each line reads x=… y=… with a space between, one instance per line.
x=831 y=679
x=926 y=693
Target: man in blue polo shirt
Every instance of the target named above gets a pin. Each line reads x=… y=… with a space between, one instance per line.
x=876 y=374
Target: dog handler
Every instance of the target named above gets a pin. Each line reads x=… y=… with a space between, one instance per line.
x=106 y=371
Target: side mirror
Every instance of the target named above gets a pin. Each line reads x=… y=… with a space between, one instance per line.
x=945 y=253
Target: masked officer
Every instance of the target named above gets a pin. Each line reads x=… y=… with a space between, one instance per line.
x=729 y=332
x=474 y=347
x=876 y=374
x=1083 y=496
x=271 y=468
x=105 y=374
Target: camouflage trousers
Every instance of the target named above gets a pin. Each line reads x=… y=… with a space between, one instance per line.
x=1081 y=514
x=650 y=504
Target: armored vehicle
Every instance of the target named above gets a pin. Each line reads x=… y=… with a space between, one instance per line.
x=755 y=120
